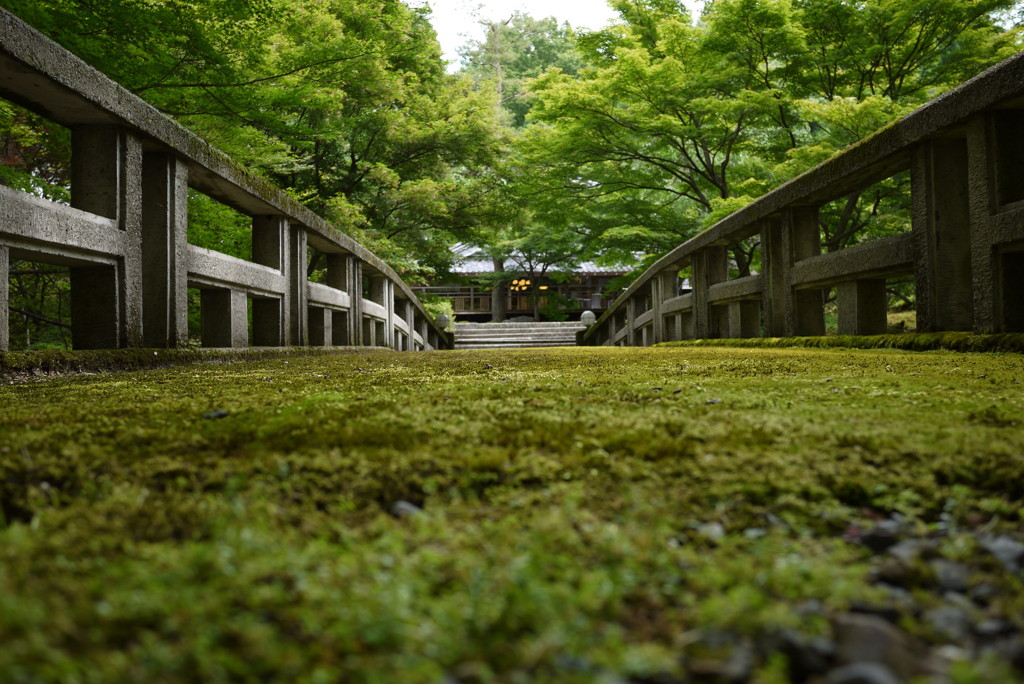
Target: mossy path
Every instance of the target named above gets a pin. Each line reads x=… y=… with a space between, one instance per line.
x=583 y=515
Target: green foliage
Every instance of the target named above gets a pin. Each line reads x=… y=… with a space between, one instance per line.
x=517 y=50
x=343 y=102
x=436 y=305
x=36 y=154
x=669 y=126
x=566 y=497
x=218 y=227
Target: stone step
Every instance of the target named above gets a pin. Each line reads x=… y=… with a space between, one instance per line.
x=499 y=336
x=513 y=345
x=517 y=334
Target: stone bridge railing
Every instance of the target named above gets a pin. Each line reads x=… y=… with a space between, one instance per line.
x=124 y=237
x=964 y=248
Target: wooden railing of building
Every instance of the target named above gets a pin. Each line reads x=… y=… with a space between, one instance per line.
x=964 y=247
x=124 y=236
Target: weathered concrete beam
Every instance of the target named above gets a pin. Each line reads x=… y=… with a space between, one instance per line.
x=749 y=287
x=81 y=237
x=680 y=303
x=328 y=297
x=888 y=257
x=210 y=269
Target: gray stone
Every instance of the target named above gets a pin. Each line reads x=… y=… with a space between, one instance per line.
x=1007 y=550
x=588 y=318
x=403 y=509
x=950 y=622
x=882 y=536
x=983 y=593
x=713 y=531
x=911 y=550
x=863 y=673
x=870 y=639
x=994 y=627
x=808 y=656
x=950 y=576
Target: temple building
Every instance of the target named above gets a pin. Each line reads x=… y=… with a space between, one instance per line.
x=528 y=295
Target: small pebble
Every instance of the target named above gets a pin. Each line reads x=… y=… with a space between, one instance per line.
x=216 y=415
x=862 y=673
x=404 y=509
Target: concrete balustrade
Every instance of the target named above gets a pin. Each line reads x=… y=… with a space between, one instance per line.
x=124 y=237
x=964 y=248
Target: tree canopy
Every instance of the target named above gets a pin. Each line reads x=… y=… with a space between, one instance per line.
x=614 y=144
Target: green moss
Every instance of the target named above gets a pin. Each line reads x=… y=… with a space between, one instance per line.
x=951 y=341
x=586 y=512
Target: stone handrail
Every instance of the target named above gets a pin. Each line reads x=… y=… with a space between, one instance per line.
x=964 y=249
x=124 y=237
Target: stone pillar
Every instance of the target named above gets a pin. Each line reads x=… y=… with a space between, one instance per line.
x=709 y=267
x=407 y=313
x=774 y=264
x=270 y=247
x=423 y=328
x=664 y=286
x=686 y=325
x=296 y=298
x=382 y=292
x=801 y=239
x=744 y=318
x=164 y=250
x=995 y=146
x=862 y=307
x=5 y=293
x=338 y=277
x=270 y=241
x=223 y=316
x=355 y=297
x=942 y=236
x=106 y=180
x=631 y=309
x=337 y=272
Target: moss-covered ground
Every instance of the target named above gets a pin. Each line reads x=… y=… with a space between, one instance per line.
x=583 y=514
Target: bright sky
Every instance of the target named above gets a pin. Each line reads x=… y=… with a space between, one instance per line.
x=457 y=21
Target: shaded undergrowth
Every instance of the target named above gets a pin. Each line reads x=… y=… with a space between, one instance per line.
x=584 y=514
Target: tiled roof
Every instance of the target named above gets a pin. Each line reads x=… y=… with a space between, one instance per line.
x=478 y=266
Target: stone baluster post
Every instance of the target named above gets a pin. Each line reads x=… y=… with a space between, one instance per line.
x=106 y=180
x=164 y=250
x=942 y=231
x=295 y=275
x=338 y=266
x=5 y=294
x=995 y=150
x=786 y=240
x=709 y=267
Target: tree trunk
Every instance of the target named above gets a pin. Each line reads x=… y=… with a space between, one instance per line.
x=499 y=311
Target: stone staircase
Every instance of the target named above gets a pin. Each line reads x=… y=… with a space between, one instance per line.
x=515 y=335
